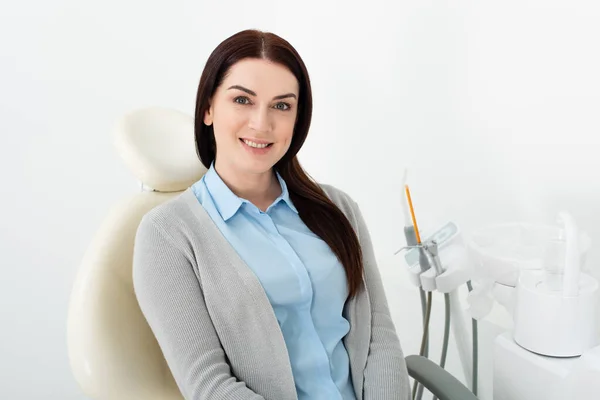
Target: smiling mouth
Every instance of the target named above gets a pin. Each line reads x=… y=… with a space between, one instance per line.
x=256 y=145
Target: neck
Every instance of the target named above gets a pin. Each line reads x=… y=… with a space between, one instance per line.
x=261 y=189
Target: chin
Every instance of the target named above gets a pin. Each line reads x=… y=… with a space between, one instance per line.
x=256 y=166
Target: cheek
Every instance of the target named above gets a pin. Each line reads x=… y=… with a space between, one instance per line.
x=229 y=122
x=286 y=130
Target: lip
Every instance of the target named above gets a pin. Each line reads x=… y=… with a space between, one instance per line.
x=258 y=141
x=254 y=150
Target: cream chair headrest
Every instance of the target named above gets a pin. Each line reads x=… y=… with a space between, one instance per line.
x=157 y=144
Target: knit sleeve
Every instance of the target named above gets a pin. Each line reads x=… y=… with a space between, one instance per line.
x=171 y=299
x=386 y=374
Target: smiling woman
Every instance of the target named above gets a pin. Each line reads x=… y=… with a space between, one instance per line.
x=260 y=119
x=255 y=105
x=258 y=282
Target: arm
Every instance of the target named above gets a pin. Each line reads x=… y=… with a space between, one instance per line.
x=386 y=375
x=171 y=299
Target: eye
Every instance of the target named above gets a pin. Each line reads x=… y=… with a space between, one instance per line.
x=241 y=100
x=283 y=106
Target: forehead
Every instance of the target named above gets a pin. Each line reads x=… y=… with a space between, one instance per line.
x=262 y=76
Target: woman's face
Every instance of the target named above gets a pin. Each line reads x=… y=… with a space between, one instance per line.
x=254 y=107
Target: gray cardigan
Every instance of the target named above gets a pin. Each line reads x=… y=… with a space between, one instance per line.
x=216 y=327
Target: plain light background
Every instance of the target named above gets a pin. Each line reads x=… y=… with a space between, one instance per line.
x=493 y=107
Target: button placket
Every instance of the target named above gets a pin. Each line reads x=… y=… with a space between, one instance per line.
x=299 y=268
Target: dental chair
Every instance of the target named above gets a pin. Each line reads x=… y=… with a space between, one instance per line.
x=112 y=352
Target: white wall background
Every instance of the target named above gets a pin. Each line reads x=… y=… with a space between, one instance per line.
x=492 y=105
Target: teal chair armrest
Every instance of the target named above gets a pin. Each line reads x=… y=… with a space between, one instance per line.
x=437 y=380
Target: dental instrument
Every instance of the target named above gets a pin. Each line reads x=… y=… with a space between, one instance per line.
x=430 y=275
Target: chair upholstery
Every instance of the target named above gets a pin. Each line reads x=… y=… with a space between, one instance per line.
x=112 y=351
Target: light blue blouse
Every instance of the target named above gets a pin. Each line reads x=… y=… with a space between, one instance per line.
x=302 y=277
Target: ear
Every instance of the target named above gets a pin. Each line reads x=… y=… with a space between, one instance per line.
x=208 y=116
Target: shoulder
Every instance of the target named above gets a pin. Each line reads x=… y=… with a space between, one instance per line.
x=348 y=206
x=341 y=199
x=173 y=216
x=336 y=194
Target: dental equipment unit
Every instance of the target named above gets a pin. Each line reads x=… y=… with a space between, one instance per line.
x=429 y=274
x=551 y=350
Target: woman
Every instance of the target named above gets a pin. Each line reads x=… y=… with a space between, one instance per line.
x=257 y=282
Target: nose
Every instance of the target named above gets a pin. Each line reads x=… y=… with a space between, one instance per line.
x=260 y=120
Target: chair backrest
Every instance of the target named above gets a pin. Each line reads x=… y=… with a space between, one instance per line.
x=112 y=351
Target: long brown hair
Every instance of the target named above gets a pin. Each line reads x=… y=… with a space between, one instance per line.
x=315 y=209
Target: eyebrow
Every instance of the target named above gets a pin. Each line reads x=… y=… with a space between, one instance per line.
x=250 y=92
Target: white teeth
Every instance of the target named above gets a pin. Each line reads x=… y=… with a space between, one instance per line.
x=252 y=144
